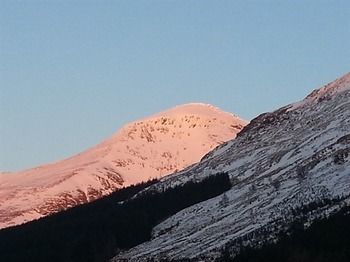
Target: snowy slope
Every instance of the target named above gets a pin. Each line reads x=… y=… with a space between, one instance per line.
x=282 y=160
x=153 y=147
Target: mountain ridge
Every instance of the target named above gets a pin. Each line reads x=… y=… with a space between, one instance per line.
x=151 y=147
x=281 y=161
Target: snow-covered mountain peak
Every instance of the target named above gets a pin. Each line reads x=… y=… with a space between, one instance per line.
x=339 y=85
x=149 y=148
x=327 y=92
x=196 y=109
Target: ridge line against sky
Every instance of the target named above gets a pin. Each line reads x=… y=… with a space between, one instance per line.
x=73 y=72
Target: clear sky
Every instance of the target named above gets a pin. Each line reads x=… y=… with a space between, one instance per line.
x=73 y=72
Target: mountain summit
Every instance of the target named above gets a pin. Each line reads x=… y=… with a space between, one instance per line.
x=150 y=148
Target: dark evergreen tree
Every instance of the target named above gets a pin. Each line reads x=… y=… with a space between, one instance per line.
x=326 y=240
x=96 y=231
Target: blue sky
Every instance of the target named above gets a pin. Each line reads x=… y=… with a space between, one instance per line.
x=73 y=72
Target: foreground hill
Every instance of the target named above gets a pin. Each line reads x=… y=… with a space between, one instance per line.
x=287 y=165
x=145 y=149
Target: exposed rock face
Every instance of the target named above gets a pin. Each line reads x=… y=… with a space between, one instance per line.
x=297 y=155
x=150 y=148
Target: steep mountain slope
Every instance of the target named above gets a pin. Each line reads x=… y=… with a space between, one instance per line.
x=296 y=156
x=153 y=147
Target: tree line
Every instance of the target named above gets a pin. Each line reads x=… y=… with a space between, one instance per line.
x=326 y=240
x=97 y=231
